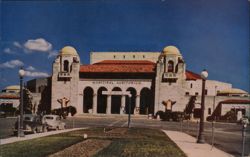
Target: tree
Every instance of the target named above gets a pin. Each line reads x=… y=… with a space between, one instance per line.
x=190 y=106
x=44 y=105
x=28 y=107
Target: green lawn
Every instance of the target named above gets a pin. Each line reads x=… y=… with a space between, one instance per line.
x=140 y=142
x=39 y=147
x=133 y=142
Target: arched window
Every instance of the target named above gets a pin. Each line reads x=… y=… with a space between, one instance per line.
x=170 y=66
x=66 y=65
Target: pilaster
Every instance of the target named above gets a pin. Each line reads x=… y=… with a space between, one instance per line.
x=108 y=109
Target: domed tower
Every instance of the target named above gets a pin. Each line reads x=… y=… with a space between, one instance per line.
x=170 y=78
x=65 y=77
x=64 y=62
x=174 y=66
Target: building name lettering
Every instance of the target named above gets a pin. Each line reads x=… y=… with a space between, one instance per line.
x=116 y=82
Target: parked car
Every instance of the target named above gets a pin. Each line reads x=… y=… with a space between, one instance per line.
x=177 y=116
x=171 y=116
x=244 y=120
x=53 y=122
x=31 y=124
x=2 y=114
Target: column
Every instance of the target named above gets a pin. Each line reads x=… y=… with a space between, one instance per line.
x=137 y=104
x=94 y=108
x=123 y=104
x=108 y=109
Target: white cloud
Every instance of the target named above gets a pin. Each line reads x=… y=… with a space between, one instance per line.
x=17 y=44
x=36 y=74
x=30 y=68
x=8 y=51
x=36 y=45
x=39 y=44
x=12 y=64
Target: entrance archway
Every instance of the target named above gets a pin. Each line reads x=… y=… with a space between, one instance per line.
x=116 y=102
x=146 y=101
x=133 y=96
x=87 y=99
x=101 y=100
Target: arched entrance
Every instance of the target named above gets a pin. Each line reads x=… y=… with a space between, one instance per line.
x=87 y=99
x=101 y=100
x=116 y=102
x=133 y=93
x=146 y=101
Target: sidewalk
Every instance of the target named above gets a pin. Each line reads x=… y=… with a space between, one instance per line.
x=189 y=146
x=33 y=136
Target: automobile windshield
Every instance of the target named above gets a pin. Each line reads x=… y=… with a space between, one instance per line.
x=27 y=118
x=49 y=118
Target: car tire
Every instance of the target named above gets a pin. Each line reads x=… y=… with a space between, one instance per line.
x=45 y=129
x=15 y=133
x=34 y=131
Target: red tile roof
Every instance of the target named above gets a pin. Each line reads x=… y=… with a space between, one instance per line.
x=127 y=66
x=9 y=97
x=235 y=101
x=116 y=66
x=124 y=62
x=192 y=76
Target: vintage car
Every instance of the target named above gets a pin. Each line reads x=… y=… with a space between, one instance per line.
x=53 y=122
x=2 y=114
x=244 y=120
x=31 y=124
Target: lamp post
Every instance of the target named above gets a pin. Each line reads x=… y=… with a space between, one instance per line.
x=20 y=128
x=215 y=91
x=204 y=75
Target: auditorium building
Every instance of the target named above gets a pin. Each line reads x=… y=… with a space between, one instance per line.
x=149 y=81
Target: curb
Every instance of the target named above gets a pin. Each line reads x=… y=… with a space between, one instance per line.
x=34 y=136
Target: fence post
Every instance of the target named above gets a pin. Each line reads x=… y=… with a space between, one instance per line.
x=212 y=134
x=197 y=129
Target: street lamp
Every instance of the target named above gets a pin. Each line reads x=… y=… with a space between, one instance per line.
x=204 y=75
x=20 y=128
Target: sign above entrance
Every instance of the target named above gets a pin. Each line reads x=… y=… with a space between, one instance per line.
x=116 y=93
x=117 y=82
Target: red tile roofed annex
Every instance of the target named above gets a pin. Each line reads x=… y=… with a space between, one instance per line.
x=9 y=96
x=127 y=66
x=235 y=101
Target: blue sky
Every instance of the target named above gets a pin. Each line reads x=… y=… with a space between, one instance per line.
x=210 y=34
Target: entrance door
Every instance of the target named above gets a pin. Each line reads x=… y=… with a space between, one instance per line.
x=101 y=100
x=87 y=99
x=116 y=101
x=132 y=100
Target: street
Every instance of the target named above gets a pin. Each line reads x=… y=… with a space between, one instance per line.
x=228 y=137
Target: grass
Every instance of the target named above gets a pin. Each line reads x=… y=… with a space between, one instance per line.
x=140 y=142
x=136 y=142
x=39 y=147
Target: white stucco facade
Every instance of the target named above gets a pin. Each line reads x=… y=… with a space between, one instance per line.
x=167 y=80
